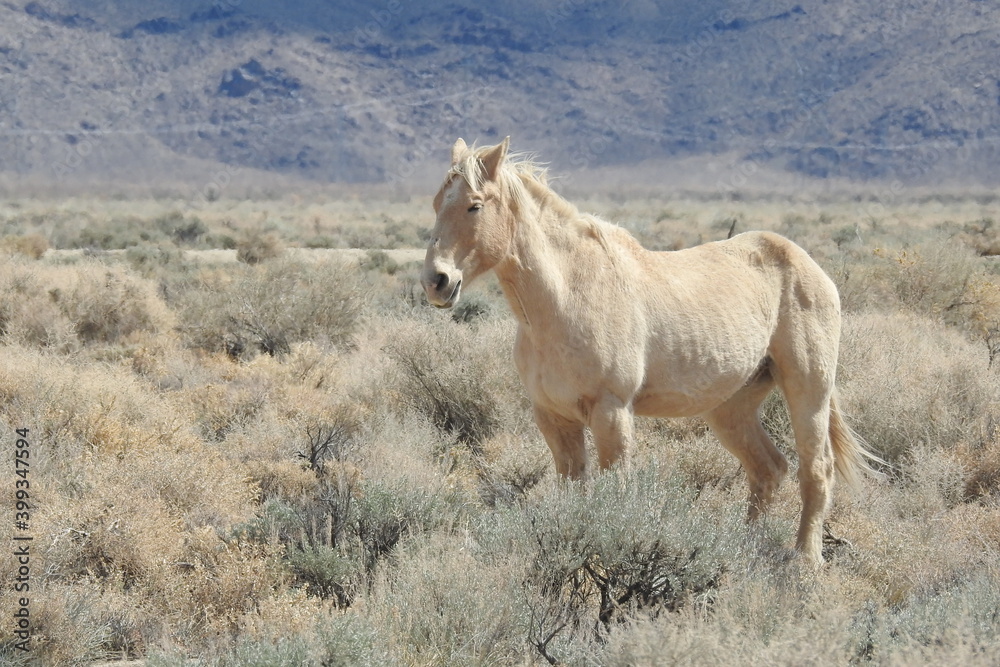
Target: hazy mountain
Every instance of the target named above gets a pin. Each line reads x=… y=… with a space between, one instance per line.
x=353 y=91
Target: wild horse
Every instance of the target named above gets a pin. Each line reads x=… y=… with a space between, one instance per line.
x=608 y=329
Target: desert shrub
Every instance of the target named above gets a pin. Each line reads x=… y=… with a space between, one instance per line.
x=322 y=552
x=87 y=303
x=128 y=505
x=190 y=584
x=257 y=247
x=942 y=279
x=471 y=309
x=180 y=229
x=767 y=616
x=220 y=587
x=772 y=614
x=982 y=235
x=119 y=542
x=223 y=408
x=157 y=260
x=909 y=382
x=113 y=234
x=462 y=379
x=337 y=536
x=982 y=306
x=386 y=514
x=75 y=408
x=28 y=245
x=269 y=308
x=930 y=278
x=630 y=543
x=702 y=462
x=379 y=260
x=283 y=653
x=118 y=232
x=955 y=625
x=326 y=572
x=332 y=436
x=330 y=641
x=67 y=628
x=846 y=235
x=115 y=307
x=131 y=527
x=442 y=605
x=509 y=467
x=347 y=640
x=776 y=421
x=913 y=537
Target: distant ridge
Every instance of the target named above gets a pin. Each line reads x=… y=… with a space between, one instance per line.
x=361 y=92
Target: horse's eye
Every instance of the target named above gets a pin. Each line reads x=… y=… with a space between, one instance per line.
x=475 y=207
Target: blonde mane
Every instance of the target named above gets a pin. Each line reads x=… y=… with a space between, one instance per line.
x=520 y=178
x=523 y=180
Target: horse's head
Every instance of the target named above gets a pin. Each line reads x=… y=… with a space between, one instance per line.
x=474 y=223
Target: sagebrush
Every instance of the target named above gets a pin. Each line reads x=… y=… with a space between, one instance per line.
x=295 y=461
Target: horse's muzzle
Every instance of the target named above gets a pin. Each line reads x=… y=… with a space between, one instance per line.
x=442 y=291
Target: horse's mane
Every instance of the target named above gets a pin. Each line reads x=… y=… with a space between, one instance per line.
x=523 y=180
x=519 y=176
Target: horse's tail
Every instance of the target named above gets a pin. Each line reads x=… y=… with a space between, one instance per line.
x=850 y=455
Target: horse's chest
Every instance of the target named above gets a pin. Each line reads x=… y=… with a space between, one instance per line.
x=559 y=374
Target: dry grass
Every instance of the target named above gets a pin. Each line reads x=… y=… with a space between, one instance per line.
x=269 y=307
x=917 y=384
x=29 y=245
x=66 y=307
x=259 y=247
x=298 y=462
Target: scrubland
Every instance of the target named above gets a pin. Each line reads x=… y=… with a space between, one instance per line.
x=292 y=460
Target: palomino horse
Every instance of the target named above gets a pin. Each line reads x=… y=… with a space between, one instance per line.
x=608 y=329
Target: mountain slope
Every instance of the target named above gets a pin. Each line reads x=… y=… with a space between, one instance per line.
x=344 y=92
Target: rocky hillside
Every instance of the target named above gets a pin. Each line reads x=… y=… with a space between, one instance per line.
x=353 y=91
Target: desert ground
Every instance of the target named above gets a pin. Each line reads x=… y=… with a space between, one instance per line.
x=252 y=442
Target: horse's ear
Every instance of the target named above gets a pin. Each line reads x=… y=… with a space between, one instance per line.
x=493 y=158
x=458 y=150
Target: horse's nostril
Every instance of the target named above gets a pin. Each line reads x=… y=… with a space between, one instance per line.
x=440 y=281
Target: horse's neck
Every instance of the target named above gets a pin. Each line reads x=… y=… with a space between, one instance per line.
x=533 y=276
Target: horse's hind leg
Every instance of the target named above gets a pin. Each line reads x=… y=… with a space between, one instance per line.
x=809 y=410
x=806 y=379
x=737 y=425
x=566 y=442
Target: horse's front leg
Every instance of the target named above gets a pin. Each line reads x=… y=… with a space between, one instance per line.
x=566 y=441
x=612 y=424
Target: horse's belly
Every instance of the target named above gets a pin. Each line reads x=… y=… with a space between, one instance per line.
x=687 y=394
x=673 y=404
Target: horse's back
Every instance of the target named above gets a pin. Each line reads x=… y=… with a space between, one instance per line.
x=768 y=249
x=749 y=263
